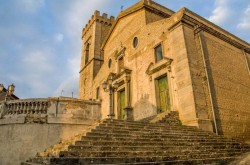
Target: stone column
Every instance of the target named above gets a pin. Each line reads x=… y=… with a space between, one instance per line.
x=206 y=124
x=3 y=109
x=128 y=109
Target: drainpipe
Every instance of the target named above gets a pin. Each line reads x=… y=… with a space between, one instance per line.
x=248 y=68
x=201 y=40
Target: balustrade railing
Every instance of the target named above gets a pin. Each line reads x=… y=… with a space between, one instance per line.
x=49 y=107
x=36 y=106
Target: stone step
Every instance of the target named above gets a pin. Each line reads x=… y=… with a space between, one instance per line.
x=139 y=141
x=159 y=143
x=149 y=130
x=133 y=160
x=170 y=135
x=147 y=133
x=188 y=153
x=151 y=148
x=152 y=129
x=129 y=121
x=159 y=161
x=149 y=125
x=139 y=124
x=146 y=138
x=140 y=130
x=171 y=117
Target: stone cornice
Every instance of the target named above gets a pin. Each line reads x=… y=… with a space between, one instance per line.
x=153 y=68
x=198 y=23
x=125 y=72
x=229 y=38
x=98 y=59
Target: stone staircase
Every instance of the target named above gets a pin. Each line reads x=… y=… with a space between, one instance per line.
x=168 y=117
x=63 y=145
x=131 y=142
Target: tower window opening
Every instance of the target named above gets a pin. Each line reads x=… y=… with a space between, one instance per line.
x=87 y=54
x=110 y=63
x=135 y=42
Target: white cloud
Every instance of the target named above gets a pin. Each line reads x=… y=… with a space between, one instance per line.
x=220 y=15
x=58 y=37
x=222 y=12
x=73 y=19
x=39 y=61
x=40 y=66
x=245 y=21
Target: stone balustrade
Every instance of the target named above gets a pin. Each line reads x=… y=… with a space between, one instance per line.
x=27 y=106
x=49 y=110
x=44 y=122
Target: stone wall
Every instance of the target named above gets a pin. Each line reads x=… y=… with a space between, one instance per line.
x=121 y=36
x=202 y=103
x=20 y=142
x=142 y=86
x=231 y=87
x=218 y=65
x=182 y=76
x=32 y=125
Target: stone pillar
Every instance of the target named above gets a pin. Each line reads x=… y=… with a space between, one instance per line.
x=207 y=124
x=128 y=109
x=3 y=110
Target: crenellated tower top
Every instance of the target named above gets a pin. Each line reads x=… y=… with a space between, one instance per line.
x=96 y=17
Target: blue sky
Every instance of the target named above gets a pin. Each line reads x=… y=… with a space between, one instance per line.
x=40 y=40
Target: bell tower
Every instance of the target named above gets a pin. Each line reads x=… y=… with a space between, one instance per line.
x=93 y=35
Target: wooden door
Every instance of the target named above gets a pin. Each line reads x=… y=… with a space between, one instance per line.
x=121 y=104
x=163 y=95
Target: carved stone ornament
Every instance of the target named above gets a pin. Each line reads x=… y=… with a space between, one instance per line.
x=120 y=53
x=153 y=68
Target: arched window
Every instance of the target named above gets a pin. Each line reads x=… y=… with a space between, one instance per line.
x=87 y=54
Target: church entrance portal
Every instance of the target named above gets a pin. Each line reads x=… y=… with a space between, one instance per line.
x=162 y=93
x=121 y=104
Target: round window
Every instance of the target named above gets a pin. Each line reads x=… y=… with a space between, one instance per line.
x=110 y=63
x=135 y=42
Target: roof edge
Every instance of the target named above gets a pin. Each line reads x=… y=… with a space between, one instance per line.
x=200 y=23
x=148 y=4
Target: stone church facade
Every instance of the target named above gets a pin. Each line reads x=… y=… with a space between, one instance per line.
x=167 y=61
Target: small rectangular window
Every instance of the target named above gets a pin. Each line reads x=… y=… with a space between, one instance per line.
x=158 y=53
x=97 y=93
